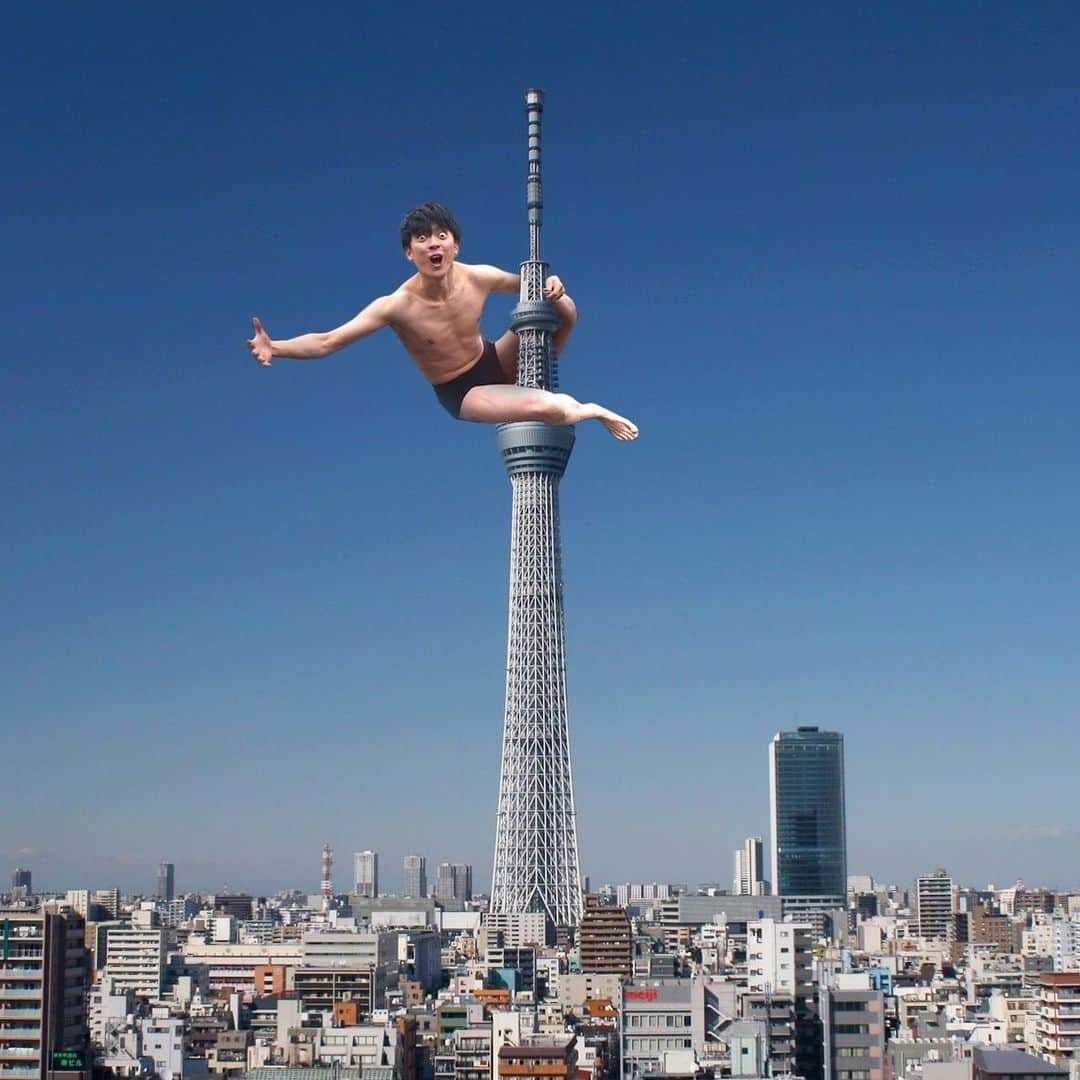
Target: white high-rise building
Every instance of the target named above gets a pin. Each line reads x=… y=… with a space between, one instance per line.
x=750 y=868
x=78 y=900
x=366 y=873
x=1038 y=940
x=109 y=899
x=779 y=958
x=1066 y=944
x=135 y=958
x=635 y=892
x=934 y=905
x=518 y=928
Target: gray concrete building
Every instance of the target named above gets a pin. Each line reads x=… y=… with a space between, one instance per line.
x=934 y=901
x=415 y=867
x=853 y=1027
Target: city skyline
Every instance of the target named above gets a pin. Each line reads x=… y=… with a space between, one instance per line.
x=823 y=257
x=415 y=863
x=238 y=887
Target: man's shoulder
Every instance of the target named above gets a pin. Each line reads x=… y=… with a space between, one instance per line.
x=404 y=288
x=480 y=271
x=493 y=278
x=402 y=296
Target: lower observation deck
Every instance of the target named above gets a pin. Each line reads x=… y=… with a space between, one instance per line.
x=531 y=446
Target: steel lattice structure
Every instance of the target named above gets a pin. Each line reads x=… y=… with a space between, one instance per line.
x=536 y=851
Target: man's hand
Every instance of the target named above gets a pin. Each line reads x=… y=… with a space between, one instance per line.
x=260 y=345
x=553 y=289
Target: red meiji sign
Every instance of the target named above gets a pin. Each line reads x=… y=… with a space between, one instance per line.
x=640 y=995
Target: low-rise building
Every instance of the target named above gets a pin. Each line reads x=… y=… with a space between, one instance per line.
x=539 y=1057
x=999 y=1064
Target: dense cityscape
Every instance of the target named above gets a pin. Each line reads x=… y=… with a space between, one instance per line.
x=795 y=967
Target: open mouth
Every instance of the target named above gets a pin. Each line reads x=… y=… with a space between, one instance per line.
x=436 y=260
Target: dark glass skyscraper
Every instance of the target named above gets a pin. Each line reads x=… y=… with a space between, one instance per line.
x=806 y=785
x=165 y=881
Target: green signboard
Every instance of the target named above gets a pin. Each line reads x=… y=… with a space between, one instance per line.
x=68 y=1061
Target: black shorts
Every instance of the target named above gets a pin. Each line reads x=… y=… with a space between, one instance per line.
x=487 y=371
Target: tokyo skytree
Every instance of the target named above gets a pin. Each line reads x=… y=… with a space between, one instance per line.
x=536 y=851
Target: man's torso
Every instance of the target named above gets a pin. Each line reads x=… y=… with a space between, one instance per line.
x=442 y=336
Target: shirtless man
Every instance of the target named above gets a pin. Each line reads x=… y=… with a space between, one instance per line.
x=436 y=314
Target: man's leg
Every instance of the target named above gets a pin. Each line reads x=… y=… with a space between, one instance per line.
x=506 y=404
x=506 y=348
x=567 y=312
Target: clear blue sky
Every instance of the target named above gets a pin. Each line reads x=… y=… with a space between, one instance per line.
x=827 y=259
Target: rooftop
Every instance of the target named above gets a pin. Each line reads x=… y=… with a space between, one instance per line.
x=1014 y=1062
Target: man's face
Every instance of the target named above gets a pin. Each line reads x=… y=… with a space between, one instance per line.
x=432 y=252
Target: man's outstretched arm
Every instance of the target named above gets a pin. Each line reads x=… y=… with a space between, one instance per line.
x=313 y=346
x=503 y=281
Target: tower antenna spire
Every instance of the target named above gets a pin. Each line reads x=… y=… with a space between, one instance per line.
x=533 y=319
x=534 y=103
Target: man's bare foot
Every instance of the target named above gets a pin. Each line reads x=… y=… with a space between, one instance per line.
x=619 y=426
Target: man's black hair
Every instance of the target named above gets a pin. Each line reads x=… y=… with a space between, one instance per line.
x=421 y=220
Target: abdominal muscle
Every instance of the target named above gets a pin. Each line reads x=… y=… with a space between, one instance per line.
x=440 y=363
x=443 y=339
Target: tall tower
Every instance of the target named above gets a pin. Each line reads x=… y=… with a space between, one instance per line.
x=536 y=852
x=326 y=884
